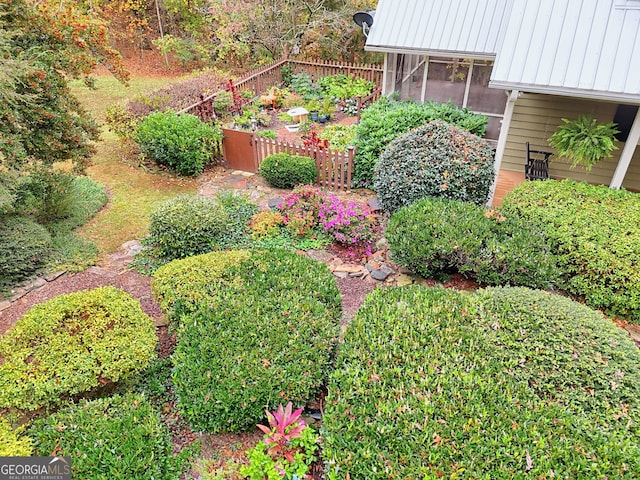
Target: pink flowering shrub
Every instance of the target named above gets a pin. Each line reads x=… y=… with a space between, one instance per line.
x=308 y=208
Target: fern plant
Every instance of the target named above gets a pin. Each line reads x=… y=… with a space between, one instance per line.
x=584 y=141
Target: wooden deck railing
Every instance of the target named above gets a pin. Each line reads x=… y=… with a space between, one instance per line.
x=335 y=168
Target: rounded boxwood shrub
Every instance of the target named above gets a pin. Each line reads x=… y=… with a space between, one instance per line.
x=255 y=329
x=183 y=142
x=118 y=437
x=282 y=170
x=386 y=119
x=71 y=344
x=12 y=444
x=437 y=160
x=505 y=383
x=186 y=225
x=435 y=236
x=595 y=232
x=25 y=246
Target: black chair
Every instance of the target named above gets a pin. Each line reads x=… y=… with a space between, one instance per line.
x=537 y=164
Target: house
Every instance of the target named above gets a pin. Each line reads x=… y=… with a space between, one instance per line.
x=526 y=65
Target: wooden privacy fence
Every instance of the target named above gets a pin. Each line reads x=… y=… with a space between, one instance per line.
x=261 y=79
x=334 y=168
x=322 y=68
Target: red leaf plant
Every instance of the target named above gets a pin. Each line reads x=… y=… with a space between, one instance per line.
x=284 y=426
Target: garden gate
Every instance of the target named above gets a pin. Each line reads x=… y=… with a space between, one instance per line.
x=238 y=150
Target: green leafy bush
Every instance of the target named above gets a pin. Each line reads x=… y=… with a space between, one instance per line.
x=595 y=232
x=181 y=142
x=121 y=121
x=25 y=247
x=12 y=444
x=71 y=344
x=339 y=136
x=435 y=236
x=435 y=160
x=186 y=225
x=239 y=211
x=385 y=120
x=302 y=84
x=255 y=328
x=118 y=437
x=342 y=87
x=282 y=170
x=505 y=383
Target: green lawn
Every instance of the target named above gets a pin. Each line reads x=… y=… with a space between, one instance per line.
x=133 y=193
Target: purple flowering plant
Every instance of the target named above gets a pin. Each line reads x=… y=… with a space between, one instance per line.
x=308 y=208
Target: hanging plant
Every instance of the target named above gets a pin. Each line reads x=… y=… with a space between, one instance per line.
x=584 y=141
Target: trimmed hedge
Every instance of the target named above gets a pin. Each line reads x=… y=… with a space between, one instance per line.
x=181 y=142
x=71 y=344
x=506 y=383
x=11 y=443
x=255 y=329
x=186 y=225
x=25 y=247
x=386 y=119
x=595 y=232
x=434 y=237
x=118 y=437
x=435 y=160
x=282 y=170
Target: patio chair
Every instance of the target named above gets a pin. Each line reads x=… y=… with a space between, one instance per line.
x=537 y=164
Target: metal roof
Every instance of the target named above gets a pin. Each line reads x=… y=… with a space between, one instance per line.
x=462 y=28
x=585 y=48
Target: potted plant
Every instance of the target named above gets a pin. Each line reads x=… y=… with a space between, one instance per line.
x=584 y=141
x=313 y=107
x=326 y=110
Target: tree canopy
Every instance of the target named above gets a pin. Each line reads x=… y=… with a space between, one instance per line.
x=42 y=45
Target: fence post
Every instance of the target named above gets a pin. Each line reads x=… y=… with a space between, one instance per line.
x=351 y=153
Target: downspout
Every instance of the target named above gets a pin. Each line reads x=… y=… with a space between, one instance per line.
x=502 y=141
x=628 y=150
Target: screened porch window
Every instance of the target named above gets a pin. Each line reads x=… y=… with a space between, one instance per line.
x=464 y=82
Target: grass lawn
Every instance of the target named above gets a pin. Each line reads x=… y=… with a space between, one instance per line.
x=132 y=192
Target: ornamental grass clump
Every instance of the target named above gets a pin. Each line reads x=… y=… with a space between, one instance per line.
x=503 y=383
x=254 y=329
x=72 y=344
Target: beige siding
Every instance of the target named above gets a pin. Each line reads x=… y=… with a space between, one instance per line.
x=536 y=117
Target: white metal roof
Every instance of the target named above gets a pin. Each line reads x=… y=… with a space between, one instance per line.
x=585 y=48
x=464 y=28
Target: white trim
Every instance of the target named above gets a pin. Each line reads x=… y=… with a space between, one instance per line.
x=385 y=73
x=433 y=53
x=570 y=92
x=627 y=153
x=423 y=93
x=502 y=140
x=467 y=87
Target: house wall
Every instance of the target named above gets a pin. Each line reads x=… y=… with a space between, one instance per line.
x=536 y=117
